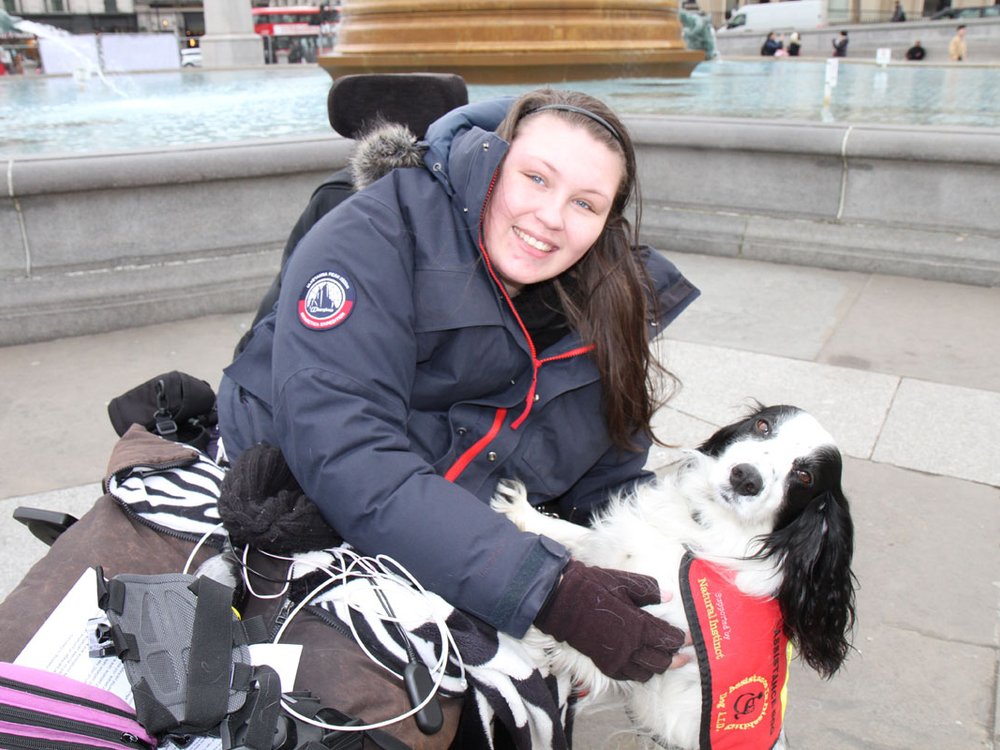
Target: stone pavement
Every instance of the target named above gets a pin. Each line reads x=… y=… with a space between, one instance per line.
x=904 y=373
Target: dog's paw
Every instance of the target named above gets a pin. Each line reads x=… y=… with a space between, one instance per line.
x=511 y=499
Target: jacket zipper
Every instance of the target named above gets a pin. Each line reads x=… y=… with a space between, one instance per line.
x=534 y=377
x=287 y=605
x=128 y=468
x=536 y=363
x=456 y=469
x=329 y=620
x=41 y=720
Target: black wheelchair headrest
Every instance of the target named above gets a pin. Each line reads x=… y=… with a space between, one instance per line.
x=416 y=100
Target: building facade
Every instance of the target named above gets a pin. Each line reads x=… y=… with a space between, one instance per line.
x=77 y=16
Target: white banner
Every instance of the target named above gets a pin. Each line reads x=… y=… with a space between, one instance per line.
x=121 y=53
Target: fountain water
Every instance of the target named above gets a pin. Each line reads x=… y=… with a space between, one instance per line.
x=60 y=37
x=50 y=114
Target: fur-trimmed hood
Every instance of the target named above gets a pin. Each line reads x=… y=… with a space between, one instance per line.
x=387 y=145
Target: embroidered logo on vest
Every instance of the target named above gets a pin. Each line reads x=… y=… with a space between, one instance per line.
x=743 y=656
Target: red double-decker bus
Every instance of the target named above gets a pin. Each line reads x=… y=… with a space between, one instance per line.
x=296 y=33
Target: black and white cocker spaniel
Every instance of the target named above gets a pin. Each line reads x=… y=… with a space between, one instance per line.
x=752 y=534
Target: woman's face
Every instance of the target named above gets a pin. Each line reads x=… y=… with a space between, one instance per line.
x=551 y=201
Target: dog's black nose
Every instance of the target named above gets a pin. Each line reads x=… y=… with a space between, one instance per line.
x=745 y=480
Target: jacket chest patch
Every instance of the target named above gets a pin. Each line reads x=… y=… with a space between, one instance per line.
x=743 y=657
x=326 y=301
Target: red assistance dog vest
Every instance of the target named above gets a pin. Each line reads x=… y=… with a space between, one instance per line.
x=743 y=655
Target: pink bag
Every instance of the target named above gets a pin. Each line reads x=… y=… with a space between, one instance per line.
x=43 y=709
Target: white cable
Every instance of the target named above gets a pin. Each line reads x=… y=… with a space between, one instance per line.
x=198 y=546
x=375 y=572
x=347 y=570
x=357 y=607
x=423 y=592
x=246 y=580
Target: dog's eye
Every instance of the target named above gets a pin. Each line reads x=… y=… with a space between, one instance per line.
x=762 y=427
x=804 y=476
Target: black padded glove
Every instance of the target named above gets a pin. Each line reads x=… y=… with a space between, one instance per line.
x=596 y=611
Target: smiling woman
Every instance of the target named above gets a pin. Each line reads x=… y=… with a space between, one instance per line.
x=492 y=319
x=542 y=218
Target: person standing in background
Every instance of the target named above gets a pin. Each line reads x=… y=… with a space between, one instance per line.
x=898 y=14
x=794 y=44
x=956 y=47
x=840 y=45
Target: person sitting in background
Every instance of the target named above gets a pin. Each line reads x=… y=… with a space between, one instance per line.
x=794 y=44
x=956 y=47
x=771 y=45
x=840 y=45
x=916 y=52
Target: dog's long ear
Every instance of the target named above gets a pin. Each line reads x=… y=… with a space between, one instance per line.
x=817 y=593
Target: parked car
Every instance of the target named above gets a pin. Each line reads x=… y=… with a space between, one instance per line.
x=760 y=18
x=976 y=11
x=191 y=57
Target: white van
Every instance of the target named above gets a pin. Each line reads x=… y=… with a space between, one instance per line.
x=777 y=16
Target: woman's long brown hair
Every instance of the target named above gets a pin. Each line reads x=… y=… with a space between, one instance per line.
x=613 y=300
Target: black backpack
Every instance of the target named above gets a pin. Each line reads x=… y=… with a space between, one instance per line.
x=174 y=405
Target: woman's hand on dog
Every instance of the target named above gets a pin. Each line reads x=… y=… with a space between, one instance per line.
x=598 y=612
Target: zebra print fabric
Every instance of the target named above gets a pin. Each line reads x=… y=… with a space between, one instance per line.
x=499 y=674
x=180 y=500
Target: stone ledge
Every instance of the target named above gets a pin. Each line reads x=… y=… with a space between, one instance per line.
x=866 y=248
x=904 y=201
x=173 y=165
x=118 y=240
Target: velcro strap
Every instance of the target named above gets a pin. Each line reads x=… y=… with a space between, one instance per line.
x=254 y=630
x=264 y=714
x=210 y=664
x=149 y=712
x=242 y=677
x=126 y=645
x=112 y=597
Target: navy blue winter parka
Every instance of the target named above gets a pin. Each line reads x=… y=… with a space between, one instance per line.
x=400 y=386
